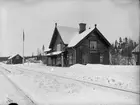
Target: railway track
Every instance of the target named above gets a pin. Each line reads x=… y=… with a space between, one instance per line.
x=20 y=91
x=91 y=83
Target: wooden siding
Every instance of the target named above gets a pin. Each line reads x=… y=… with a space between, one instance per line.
x=94 y=49
x=58 y=41
x=15 y=60
x=71 y=52
x=83 y=54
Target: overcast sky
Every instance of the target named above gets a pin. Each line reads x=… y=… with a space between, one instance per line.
x=114 y=18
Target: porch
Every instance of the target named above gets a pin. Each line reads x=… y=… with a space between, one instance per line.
x=57 y=58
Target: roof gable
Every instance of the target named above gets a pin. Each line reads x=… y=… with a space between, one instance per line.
x=66 y=34
x=72 y=37
x=54 y=37
x=102 y=36
x=137 y=49
x=79 y=37
x=13 y=56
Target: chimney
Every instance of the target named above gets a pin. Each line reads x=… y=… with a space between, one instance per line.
x=82 y=27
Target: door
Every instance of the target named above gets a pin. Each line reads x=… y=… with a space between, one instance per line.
x=84 y=58
x=94 y=58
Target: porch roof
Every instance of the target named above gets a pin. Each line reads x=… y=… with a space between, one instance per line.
x=54 y=53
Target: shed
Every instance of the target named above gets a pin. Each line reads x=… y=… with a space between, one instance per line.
x=15 y=59
x=136 y=53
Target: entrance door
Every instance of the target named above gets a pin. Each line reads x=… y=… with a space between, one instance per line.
x=94 y=58
x=84 y=58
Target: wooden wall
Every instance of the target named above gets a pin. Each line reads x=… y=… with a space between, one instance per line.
x=58 y=41
x=83 y=54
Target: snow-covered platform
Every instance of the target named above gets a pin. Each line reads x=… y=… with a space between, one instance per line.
x=45 y=88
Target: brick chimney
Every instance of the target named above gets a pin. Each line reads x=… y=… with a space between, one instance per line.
x=82 y=27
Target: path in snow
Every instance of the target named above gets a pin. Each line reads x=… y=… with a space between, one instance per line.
x=10 y=92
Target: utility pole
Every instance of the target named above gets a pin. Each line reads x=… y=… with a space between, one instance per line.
x=43 y=48
x=23 y=46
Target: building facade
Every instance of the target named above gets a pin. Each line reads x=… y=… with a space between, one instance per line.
x=15 y=59
x=70 y=46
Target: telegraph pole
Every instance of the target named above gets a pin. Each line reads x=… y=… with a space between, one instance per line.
x=23 y=46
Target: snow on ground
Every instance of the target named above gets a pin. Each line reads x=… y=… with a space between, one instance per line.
x=9 y=94
x=45 y=88
x=123 y=77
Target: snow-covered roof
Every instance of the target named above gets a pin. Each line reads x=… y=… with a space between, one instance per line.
x=67 y=33
x=72 y=37
x=45 y=51
x=78 y=37
x=137 y=49
x=13 y=56
x=54 y=53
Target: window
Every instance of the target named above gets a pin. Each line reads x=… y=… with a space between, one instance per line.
x=70 y=59
x=58 y=60
x=58 y=47
x=136 y=57
x=53 y=61
x=93 y=45
x=49 y=61
x=101 y=58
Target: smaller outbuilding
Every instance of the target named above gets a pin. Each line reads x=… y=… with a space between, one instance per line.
x=136 y=53
x=15 y=59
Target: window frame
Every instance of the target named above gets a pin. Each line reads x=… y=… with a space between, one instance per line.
x=49 y=61
x=92 y=44
x=58 y=45
x=70 y=58
x=101 y=58
x=58 y=60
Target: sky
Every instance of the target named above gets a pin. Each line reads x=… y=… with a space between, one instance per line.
x=114 y=18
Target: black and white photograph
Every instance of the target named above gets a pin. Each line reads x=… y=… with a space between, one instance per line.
x=69 y=52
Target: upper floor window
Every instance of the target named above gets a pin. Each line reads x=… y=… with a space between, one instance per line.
x=58 y=47
x=93 y=45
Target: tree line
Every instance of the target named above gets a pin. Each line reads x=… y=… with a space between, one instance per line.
x=121 y=51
